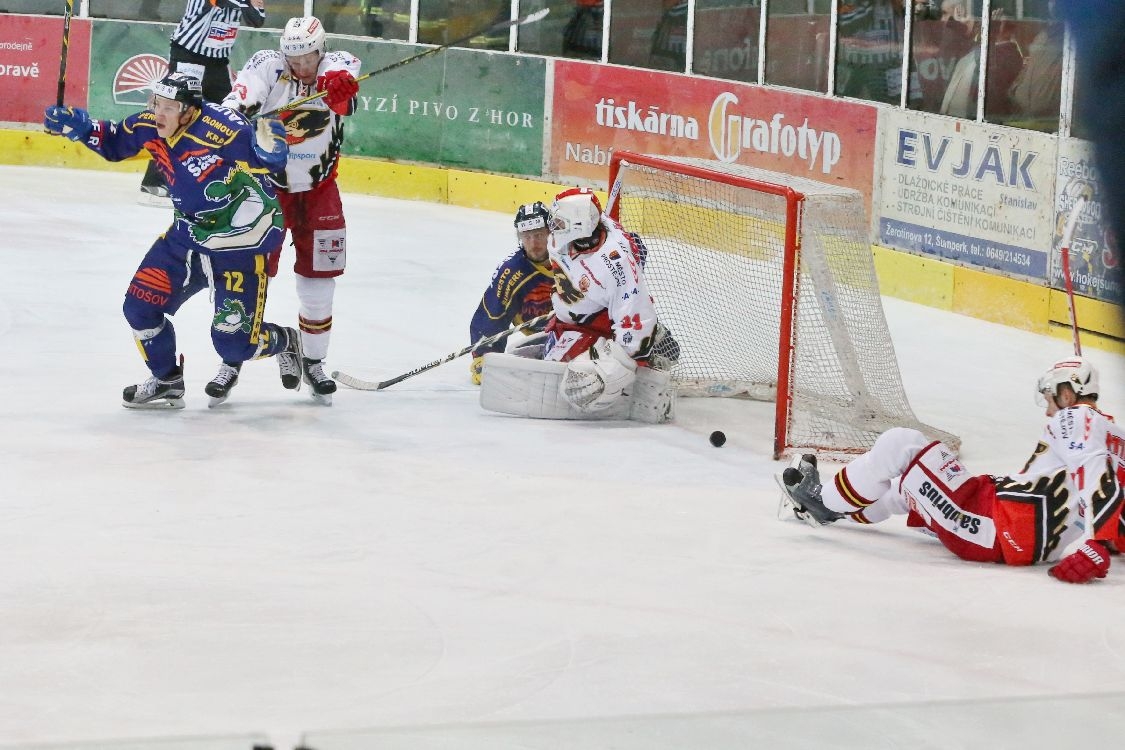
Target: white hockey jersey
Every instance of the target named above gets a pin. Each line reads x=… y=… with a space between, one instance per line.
x=315 y=133
x=604 y=289
x=1079 y=465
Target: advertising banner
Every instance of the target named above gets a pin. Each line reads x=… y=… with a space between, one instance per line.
x=597 y=109
x=30 y=53
x=463 y=108
x=459 y=108
x=128 y=57
x=1095 y=255
x=967 y=192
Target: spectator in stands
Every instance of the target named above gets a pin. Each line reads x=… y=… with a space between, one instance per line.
x=582 y=36
x=1035 y=95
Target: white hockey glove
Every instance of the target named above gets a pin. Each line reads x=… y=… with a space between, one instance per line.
x=269 y=142
x=595 y=379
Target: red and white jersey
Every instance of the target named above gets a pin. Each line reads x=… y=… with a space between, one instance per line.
x=604 y=290
x=315 y=133
x=1081 y=459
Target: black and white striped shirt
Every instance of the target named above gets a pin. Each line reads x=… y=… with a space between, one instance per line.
x=209 y=29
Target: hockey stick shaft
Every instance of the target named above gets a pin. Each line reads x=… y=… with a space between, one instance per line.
x=1068 y=235
x=529 y=18
x=367 y=385
x=64 y=52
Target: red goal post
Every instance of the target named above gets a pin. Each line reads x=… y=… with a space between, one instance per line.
x=767 y=282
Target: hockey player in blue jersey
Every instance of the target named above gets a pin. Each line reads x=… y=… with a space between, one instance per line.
x=226 y=222
x=521 y=286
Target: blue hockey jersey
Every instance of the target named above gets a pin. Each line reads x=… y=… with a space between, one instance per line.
x=519 y=291
x=219 y=185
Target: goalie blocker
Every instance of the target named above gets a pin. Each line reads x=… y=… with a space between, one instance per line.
x=525 y=387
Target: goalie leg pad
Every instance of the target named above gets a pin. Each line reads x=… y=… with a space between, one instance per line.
x=598 y=378
x=653 y=396
x=526 y=387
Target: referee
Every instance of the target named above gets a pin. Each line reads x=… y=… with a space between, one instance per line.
x=201 y=47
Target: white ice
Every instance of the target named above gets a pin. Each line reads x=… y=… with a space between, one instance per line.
x=406 y=559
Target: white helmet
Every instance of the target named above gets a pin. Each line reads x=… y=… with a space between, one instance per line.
x=1076 y=371
x=301 y=36
x=575 y=215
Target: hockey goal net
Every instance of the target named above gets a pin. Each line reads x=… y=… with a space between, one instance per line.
x=767 y=282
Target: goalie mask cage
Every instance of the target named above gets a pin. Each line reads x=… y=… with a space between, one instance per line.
x=767 y=282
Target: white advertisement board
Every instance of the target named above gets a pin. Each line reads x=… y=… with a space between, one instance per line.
x=977 y=194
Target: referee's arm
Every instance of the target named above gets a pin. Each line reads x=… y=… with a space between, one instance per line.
x=254 y=13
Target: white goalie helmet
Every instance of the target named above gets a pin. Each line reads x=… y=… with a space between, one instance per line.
x=575 y=215
x=1075 y=371
x=301 y=36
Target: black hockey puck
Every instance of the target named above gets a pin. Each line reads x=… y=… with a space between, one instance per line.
x=718 y=438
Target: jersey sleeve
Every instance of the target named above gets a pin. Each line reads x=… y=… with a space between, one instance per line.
x=117 y=141
x=253 y=17
x=1093 y=449
x=253 y=83
x=498 y=305
x=630 y=308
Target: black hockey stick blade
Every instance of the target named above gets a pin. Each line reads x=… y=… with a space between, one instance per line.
x=529 y=18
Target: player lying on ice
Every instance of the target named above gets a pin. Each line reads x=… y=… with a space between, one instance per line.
x=596 y=358
x=1064 y=506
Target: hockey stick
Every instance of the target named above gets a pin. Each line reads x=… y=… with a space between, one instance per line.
x=1067 y=236
x=367 y=385
x=67 y=13
x=529 y=18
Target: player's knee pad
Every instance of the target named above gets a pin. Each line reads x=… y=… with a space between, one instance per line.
x=234 y=347
x=315 y=296
x=653 y=396
x=141 y=314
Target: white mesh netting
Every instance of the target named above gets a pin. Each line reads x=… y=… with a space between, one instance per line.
x=715 y=269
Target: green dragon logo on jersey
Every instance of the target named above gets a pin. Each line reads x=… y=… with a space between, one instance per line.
x=232 y=317
x=247 y=215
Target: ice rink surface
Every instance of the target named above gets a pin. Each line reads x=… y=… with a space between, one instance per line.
x=405 y=559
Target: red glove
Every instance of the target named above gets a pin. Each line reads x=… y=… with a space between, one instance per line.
x=1088 y=562
x=340 y=86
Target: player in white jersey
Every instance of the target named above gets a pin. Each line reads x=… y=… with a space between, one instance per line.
x=604 y=328
x=1064 y=506
x=309 y=195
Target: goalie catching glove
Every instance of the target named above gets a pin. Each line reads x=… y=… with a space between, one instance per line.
x=595 y=379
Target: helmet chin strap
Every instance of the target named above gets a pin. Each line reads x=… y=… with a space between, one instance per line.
x=589 y=243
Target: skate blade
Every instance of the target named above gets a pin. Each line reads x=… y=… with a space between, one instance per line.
x=324 y=399
x=153 y=201
x=787 y=507
x=216 y=401
x=163 y=404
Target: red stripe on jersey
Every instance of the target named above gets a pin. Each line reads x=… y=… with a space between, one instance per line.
x=851 y=497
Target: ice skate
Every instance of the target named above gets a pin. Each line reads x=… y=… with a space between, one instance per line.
x=156 y=393
x=155 y=196
x=220 y=386
x=289 y=360
x=322 y=386
x=800 y=485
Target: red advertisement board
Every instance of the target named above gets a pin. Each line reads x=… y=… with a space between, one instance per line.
x=598 y=109
x=30 y=51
